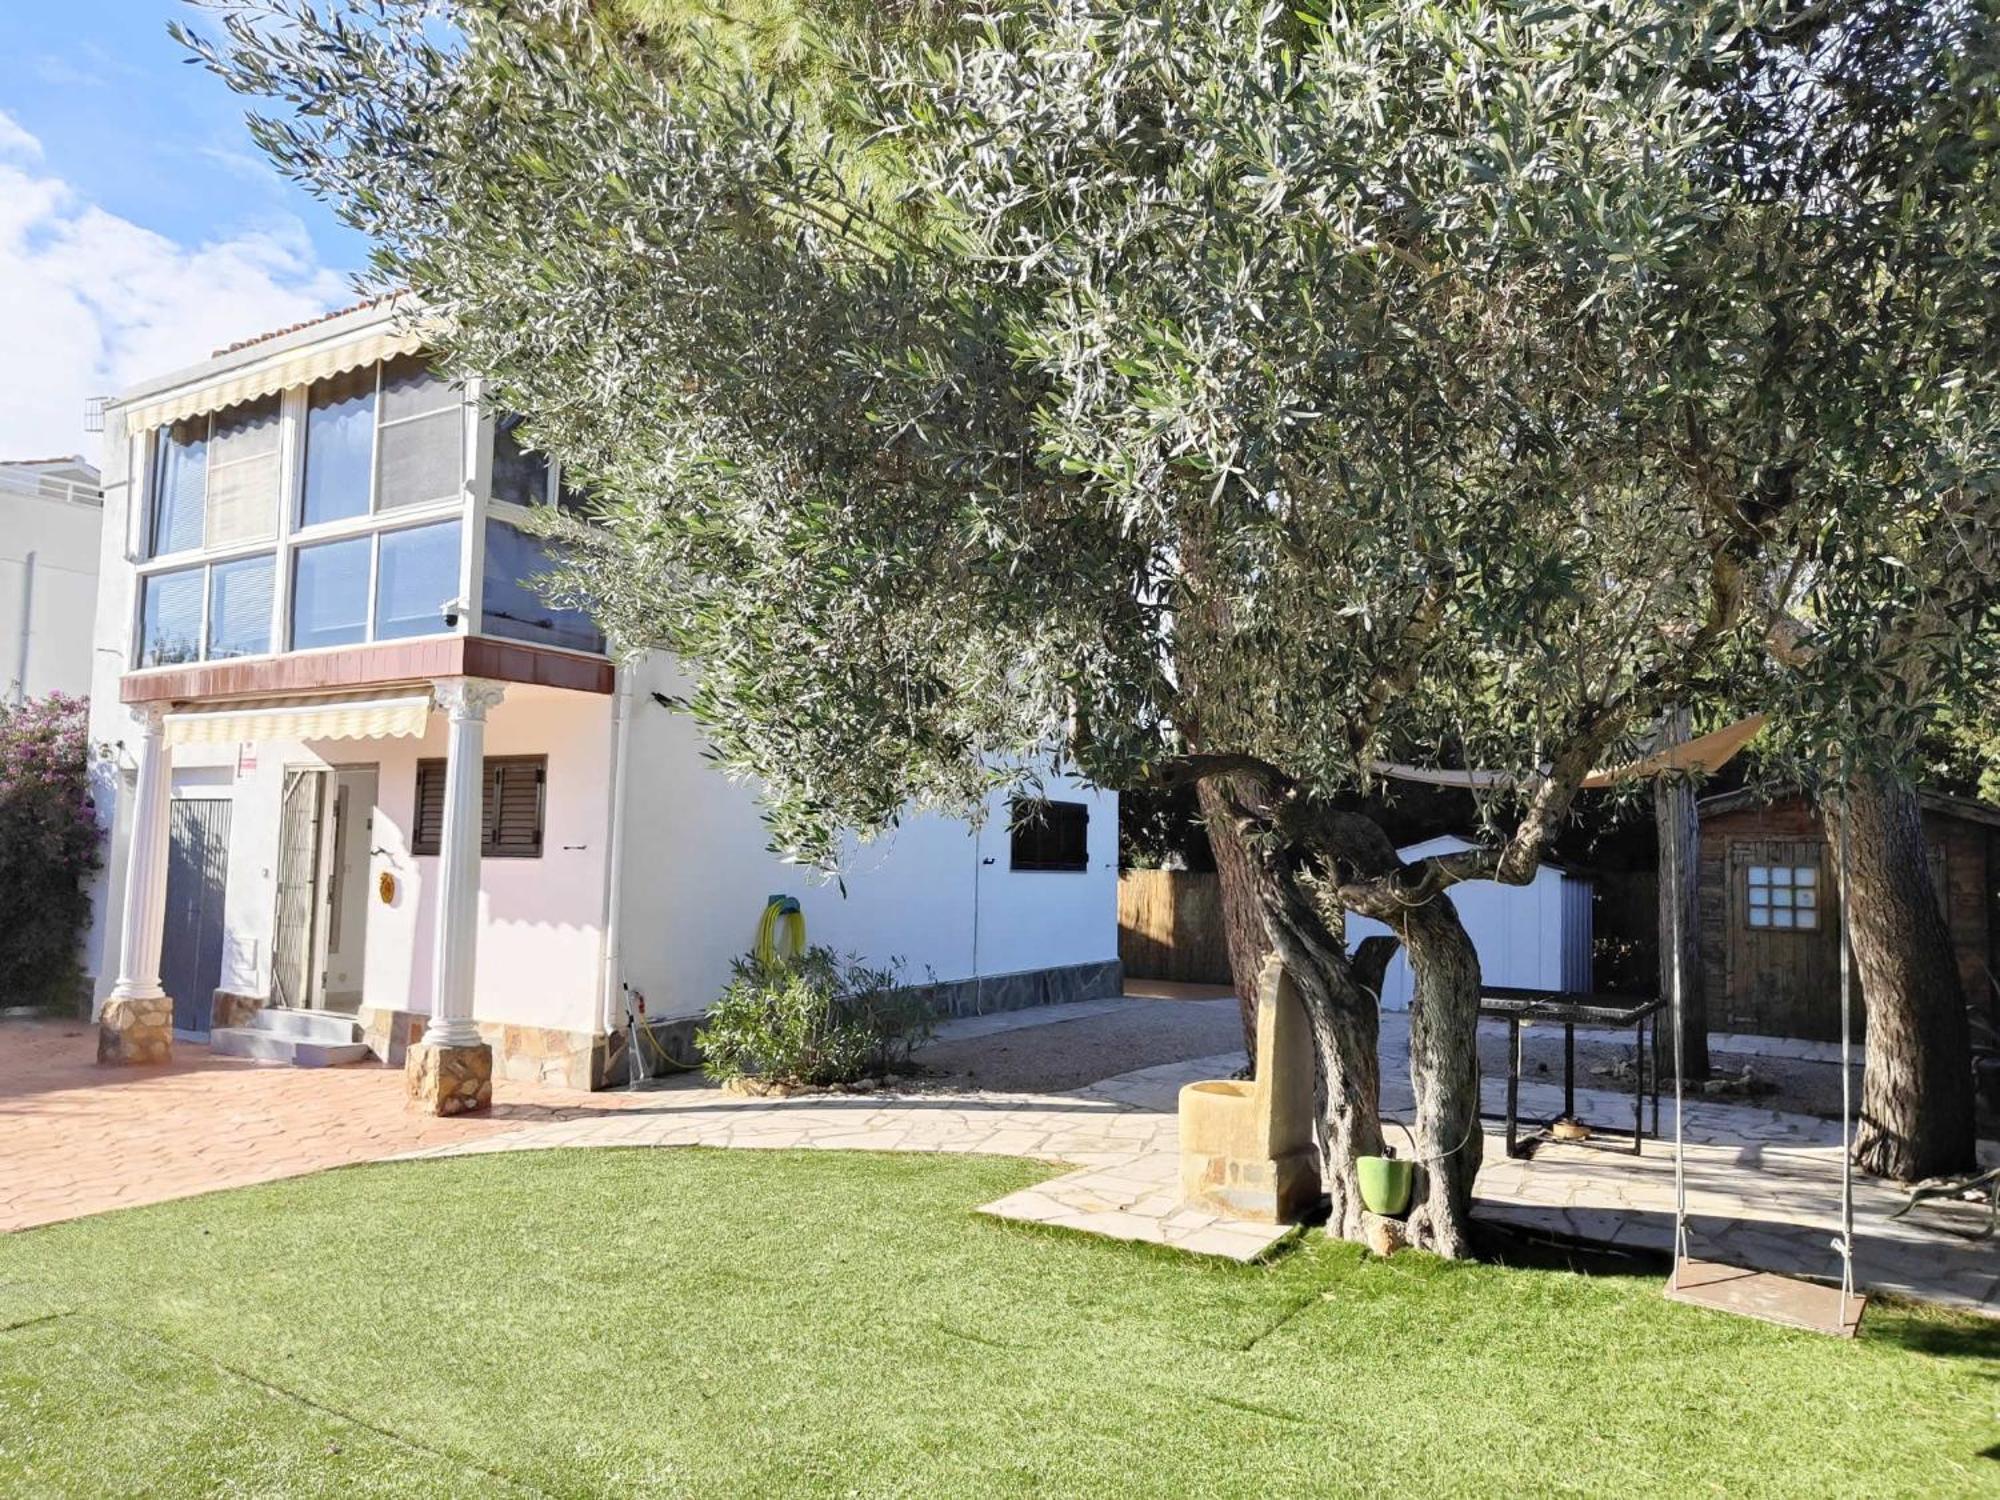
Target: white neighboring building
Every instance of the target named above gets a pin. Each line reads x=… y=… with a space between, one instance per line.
x=1533 y=937
x=361 y=771
x=51 y=510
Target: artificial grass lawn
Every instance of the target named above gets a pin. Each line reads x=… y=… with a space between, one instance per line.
x=736 y=1323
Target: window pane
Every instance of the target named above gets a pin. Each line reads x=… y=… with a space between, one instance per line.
x=1759 y=896
x=1760 y=875
x=1807 y=875
x=576 y=500
x=419 y=576
x=1808 y=897
x=340 y=447
x=420 y=462
x=243 y=474
x=520 y=476
x=1781 y=918
x=170 y=619
x=409 y=389
x=1759 y=917
x=180 y=478
x=245 y=432
x=1782 y=875
x=1808 y=919
x=1781 y=896
x=509 y=604
x=239 y=607
x=330 y=594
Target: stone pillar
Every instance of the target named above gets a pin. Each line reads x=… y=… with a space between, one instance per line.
x=137 y=1022
x=451 y=1070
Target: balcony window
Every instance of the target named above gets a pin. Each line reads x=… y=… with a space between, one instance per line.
x=340 y=448
x=243 y=474
x=239 y=607
x=520 y=475
x=180 y=479
x=511 y=607
x=417 y=579
x=330 y=593
x=215 y=479
x=170 y=618
x=420 y=440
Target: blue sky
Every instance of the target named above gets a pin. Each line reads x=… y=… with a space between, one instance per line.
x=139 y=228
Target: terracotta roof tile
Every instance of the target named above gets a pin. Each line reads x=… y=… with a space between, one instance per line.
x=326 y=317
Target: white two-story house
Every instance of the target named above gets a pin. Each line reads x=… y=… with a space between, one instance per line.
x=363 y=788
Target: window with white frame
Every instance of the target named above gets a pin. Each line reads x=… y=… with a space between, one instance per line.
x=514 y=558
x=1782 y=896
x=384 y=438
x=216 y=480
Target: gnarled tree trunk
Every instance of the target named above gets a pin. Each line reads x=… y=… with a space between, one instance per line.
x=1444 y=1072
x=1344 y=1022
x=1340 y=992
x=1917 y=1112
x=1242 y=912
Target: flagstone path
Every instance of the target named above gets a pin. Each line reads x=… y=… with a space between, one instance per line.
x=1763 y=1187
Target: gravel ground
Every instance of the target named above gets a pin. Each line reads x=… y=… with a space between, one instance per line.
x=1071 y=1054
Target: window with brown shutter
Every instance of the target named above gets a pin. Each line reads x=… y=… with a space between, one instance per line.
x=511 y=807
x=1049 y=835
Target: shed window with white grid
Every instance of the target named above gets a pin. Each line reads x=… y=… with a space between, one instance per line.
x=1783 y=896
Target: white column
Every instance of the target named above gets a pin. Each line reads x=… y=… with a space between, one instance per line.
x=145 y=914
x=465 y=700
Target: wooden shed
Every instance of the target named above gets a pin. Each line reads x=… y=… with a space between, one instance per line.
x=1770 y=926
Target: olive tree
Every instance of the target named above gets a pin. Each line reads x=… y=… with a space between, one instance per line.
x=1859 y=426
x=1182 y=394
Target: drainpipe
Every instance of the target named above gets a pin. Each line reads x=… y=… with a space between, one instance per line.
x=27 y=624
x=610 y=997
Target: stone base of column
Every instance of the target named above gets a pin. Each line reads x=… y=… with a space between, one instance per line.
x=136 y=1031
x=448 y=1080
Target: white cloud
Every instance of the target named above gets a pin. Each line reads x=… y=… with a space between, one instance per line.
x=92 y=303
x=15 y=141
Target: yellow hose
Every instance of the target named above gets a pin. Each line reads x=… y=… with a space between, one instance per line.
x=781 y=932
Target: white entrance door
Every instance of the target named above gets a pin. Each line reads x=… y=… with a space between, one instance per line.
x=346 y=900
x=295 y=933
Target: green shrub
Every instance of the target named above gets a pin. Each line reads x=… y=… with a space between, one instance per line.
x=814 y=1020
x=48 y=848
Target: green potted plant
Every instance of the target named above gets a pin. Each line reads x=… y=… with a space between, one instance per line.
x=1386 y=1180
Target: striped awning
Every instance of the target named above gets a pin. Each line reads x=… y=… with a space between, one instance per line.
x=403 y=715
x=299 y=368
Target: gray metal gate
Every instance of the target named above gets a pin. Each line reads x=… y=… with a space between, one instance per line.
x=197 y=875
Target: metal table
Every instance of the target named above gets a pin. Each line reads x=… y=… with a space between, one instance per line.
x=1571 y=1010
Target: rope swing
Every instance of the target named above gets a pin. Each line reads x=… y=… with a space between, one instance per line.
x=1789 y=1300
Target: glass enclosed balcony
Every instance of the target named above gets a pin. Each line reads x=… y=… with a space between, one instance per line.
x=378 y=504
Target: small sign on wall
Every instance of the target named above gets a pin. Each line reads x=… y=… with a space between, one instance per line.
x=246 y=758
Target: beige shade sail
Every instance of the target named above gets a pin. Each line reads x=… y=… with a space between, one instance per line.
x=1705 y=754
x=301 y=368
x=1702 y=755
x=404 y=715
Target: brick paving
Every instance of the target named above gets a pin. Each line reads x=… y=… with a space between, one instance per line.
x=78 y=1138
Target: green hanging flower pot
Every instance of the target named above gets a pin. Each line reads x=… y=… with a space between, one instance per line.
x=1385 y=1183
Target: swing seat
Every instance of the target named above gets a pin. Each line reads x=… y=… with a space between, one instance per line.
x=1768 y=1296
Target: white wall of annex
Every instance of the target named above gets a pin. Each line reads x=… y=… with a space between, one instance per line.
x=697 y=872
